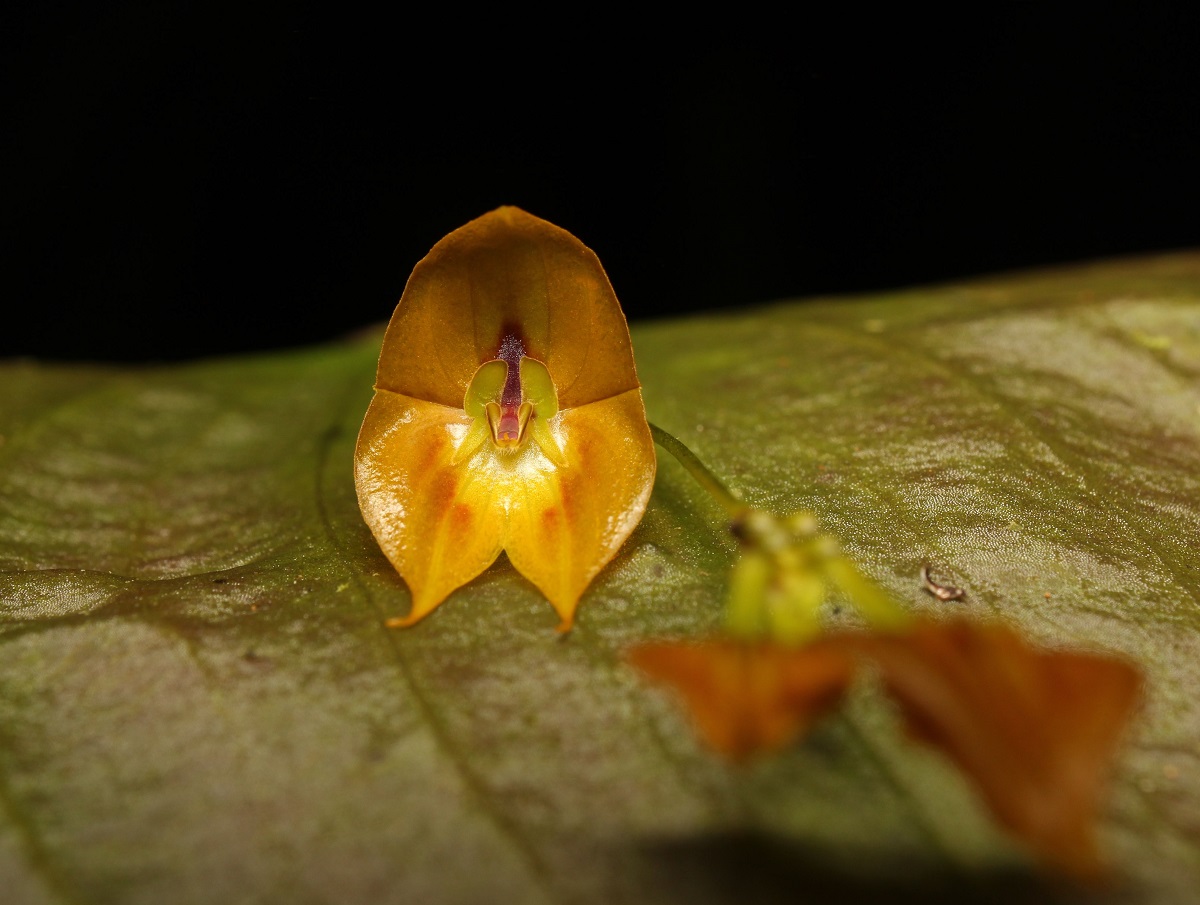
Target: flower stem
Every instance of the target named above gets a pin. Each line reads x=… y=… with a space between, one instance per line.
x=699 y=472
x=787 y=566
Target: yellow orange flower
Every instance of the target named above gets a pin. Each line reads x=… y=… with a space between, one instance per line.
x=507 y=416
x=1034 y=729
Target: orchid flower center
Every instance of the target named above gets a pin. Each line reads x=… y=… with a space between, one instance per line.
x=511 y=398
x=509 y=417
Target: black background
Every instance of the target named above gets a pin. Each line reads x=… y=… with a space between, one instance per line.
x=179 y=181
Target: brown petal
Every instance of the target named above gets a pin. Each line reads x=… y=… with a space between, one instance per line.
x=1036 y=729
x=507 y=272
x=749 y=698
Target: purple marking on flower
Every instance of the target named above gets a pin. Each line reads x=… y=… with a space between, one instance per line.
x=512 y=350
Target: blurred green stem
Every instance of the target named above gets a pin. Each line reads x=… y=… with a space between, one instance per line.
x=699 y=471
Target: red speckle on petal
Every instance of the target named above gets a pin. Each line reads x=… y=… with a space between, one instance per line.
x=442 y=489
x=569 y=493
x=461 y=517
x=430 y=449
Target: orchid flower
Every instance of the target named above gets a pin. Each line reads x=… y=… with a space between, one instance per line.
x=1034 y=729
x=507 y=416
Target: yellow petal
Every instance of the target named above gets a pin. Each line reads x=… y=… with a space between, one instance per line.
x=507 y=271
x=436 y=520
x=568 y=522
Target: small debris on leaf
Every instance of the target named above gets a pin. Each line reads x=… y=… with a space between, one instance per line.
x=940 y=591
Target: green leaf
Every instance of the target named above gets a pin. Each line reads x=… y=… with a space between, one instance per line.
x=199 y=702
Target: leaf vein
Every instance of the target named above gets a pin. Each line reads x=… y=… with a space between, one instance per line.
x=472 y=781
